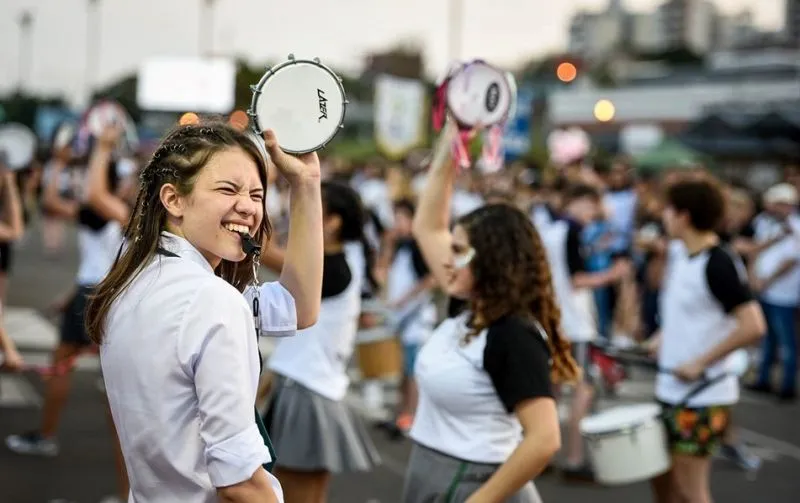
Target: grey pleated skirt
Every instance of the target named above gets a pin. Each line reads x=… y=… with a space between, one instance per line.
x=311 y=432
x=433 y=477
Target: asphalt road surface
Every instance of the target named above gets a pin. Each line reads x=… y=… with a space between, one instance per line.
x=83 y=471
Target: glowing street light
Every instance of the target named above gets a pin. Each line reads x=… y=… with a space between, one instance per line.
x=604 y=110
x=566 y=72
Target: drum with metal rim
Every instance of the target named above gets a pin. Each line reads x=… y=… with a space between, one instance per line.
x=17 y=146
x=303 y=101
x=479 y=94
x=627 y=443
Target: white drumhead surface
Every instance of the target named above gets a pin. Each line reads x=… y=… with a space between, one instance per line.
x=19 y=145
x=479 y=94
x=104 y=114
x=624 y=416
x=303 y=103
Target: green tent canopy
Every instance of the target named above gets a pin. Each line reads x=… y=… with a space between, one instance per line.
x=668 y=154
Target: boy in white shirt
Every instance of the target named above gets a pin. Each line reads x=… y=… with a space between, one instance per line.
x=776 y=278
x=707 y=312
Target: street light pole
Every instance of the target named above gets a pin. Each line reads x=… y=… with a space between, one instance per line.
x=455 y=28
x=205 y=45
x=92 y=46
x=25 y=49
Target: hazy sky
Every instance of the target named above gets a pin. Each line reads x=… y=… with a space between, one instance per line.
x=337 y=31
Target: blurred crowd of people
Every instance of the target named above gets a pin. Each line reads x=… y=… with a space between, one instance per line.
x=602 y=228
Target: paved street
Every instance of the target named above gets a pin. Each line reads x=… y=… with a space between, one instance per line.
x=83 y=472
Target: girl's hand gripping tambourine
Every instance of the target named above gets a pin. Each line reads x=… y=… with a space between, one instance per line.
x=303 y=101
x=476 y=95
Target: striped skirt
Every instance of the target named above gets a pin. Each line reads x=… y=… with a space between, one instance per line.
x=311 y=432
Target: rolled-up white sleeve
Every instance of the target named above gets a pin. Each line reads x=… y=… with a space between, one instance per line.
x=217 y=348
x=277 y=310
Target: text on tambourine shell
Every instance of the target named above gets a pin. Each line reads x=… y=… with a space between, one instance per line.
x=323 y=105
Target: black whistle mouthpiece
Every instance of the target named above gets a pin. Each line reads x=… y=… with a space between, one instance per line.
x=249 y=244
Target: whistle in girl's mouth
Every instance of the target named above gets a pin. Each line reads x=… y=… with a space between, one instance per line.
x=249 y=244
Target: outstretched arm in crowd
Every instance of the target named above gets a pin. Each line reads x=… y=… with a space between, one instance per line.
x=431 y=226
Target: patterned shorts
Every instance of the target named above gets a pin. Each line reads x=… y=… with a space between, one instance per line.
x=696 y=431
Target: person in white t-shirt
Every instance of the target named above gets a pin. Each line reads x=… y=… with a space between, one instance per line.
x=486 y=422
x=776 y=278
x=409 y=298
x=315 y=431
x=178 y=340
x=707 y=313
x=573 y=284
x=61 y=185
x=99 y=240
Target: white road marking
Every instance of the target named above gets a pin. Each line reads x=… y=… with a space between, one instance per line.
x=779 y=446
x=17 y=392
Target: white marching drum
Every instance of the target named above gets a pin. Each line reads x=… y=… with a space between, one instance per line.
x=17 y=146
x=627 y=444
x=303 y=101
x=479 y=94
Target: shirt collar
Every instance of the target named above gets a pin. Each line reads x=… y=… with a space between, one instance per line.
x=183 y=248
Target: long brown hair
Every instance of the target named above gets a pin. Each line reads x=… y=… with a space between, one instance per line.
x=178 y=160
x=512 y=277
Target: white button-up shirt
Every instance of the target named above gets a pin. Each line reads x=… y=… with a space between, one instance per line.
x=181 y=368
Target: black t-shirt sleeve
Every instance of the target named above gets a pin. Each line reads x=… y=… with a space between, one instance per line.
x=576 y=262
x=517 y=361
x=725 y=280
x=336 y=275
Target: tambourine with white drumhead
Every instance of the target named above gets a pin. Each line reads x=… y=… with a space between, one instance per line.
x=99 y=116
x=17 y=146
x=479 y=94
x=476 y=94
x=303 y=101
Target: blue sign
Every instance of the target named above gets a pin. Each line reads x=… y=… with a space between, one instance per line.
x=517 y=135
x=49 y=118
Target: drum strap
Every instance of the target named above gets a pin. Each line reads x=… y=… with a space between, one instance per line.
x=259 y=422
x=703 y=385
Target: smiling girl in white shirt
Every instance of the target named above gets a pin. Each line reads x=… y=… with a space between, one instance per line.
x=178 y=343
